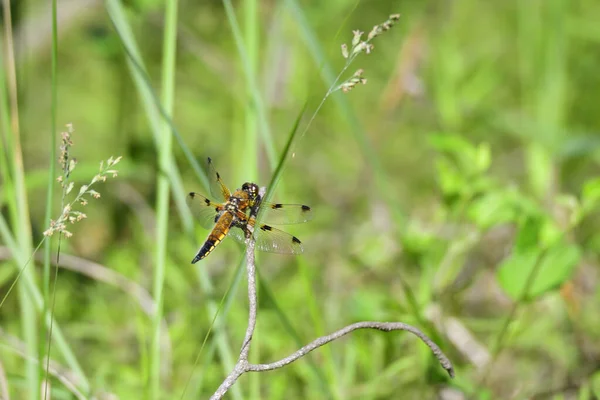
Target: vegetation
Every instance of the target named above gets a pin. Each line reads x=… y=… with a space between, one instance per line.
x=455 y=188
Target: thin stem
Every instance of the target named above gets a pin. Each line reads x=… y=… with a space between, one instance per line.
x=51 y=178
x=329 y=91
x=5 y=233
x=242 y=363
x=252 y=300
x=381 y=326
x=163 y=191
x=498 y=346
x=50 y=312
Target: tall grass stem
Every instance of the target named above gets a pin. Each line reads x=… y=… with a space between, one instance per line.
x=163 y=190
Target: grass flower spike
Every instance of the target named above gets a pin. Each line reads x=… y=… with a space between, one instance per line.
x=359 y=46
x=68 y=164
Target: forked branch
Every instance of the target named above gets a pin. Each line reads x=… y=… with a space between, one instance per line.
x=242 y=366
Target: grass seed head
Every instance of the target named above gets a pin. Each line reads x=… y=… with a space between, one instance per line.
x=68 y=165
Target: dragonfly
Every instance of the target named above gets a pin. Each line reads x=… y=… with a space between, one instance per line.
x=235 y=215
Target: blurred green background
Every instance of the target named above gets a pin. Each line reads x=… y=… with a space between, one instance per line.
x=456 y=191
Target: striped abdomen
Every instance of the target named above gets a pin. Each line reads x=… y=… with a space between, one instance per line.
x=216 y=236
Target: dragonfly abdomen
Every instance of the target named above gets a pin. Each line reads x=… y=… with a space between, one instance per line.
x=216 y=236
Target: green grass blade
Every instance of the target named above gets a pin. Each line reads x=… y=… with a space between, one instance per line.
x=33 y=292
x=257 y=102
x=18 y=209
x=284 y=156
x=163 y=188
x=51 y=181
x=249 y=164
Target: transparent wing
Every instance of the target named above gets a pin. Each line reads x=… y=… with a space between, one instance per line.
x=283 y=214
x=217 y=188
x=270 y=239
x=237 y=234
x=203 y=209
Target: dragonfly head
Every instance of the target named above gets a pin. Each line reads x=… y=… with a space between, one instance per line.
x=251 y=189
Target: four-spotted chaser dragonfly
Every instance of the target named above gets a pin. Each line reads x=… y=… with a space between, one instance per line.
x=232 y=215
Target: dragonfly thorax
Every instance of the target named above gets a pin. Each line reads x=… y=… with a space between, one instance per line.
x=237 y=202
x=233 y=204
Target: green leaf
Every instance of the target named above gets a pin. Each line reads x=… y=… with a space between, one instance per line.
x=492 y=209
x=526 y=206
x=452 y=144
x=550 y=234
x=539 y=165
x=451 y=180
x=373 y=250
x=484 y=157
x=513 y=272
x=595 y=384
x=590 y=194
x=471 y=159
x=417 y=240
x=555 y=267
x=528 y=234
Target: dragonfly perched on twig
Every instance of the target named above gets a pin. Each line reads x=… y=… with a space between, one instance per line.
x=235 y=216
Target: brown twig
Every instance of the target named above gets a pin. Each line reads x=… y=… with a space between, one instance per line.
x=242 y=366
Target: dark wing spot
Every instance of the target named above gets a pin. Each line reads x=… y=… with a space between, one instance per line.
x=305 y=208
x=266 y=228
x=209 y=160
x=217 y=209
x=296 y=240
x=207 y=201
x=277 y=205
x=192 y=195
x=218 y=176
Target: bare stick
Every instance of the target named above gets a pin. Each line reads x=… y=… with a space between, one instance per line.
x=242 y=366
x=382 y=326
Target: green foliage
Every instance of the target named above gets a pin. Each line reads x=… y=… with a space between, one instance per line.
x=455 y=188
x=535 y=266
